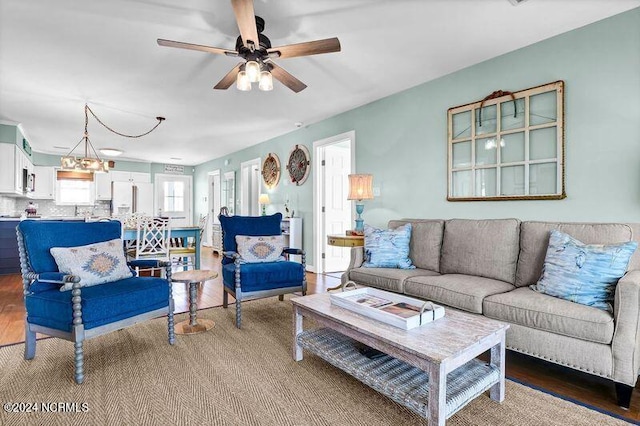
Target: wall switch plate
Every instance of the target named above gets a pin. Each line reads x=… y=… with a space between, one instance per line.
x=376 y=191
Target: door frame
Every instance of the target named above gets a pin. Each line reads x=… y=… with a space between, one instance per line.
x=244 y=188
x=318 y=188
x=213 y=217
x=156 y=189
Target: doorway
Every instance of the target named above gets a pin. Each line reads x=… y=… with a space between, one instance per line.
x=215 y=203
x=173 y=198
x=332 y=210
x=250 y=187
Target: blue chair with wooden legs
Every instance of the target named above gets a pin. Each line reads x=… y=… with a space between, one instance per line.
x=82 y=313
x=247 y=281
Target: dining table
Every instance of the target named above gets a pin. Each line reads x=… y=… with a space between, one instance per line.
x=176 y=232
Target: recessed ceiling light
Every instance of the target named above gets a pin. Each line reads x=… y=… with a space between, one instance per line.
x=62 y=147
x=298 y=124
x=175 y=158
x=110 y=152
x=516 y=2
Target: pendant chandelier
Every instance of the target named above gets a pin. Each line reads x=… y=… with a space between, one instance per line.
x=89 y=164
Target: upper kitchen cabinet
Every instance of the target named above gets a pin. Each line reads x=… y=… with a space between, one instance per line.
x=103 y=181
x=138 y=177
x=45 y=183
x=103 y=185
x=16 y=171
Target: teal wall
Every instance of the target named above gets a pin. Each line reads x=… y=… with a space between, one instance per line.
x=402 y=139
x=13 y=134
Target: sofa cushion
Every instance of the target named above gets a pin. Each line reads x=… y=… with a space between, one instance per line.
x=426 y=242
x=635 y=259
x=583 y=273
x=40 y=235
x=247 y=225
x=534 y=240
x=526 y=307
x=101 y=304
x=386 y=278
x=264 y=276
x=94 y=264
x=485 y=248
x=387 y=248
x=464 y=292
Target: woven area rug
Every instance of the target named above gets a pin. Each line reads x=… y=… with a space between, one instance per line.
x=230 y=377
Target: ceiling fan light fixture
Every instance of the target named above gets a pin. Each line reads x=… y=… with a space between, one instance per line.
x=253 y=71
x=266 y=81
x=242 y=82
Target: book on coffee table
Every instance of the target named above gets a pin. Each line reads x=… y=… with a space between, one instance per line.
x=391 y=308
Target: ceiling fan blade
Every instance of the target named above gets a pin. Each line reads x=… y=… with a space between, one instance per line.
x=245 y=16
x=229 y=79
x=285 y=78
x=199 y=47
x=316 y=47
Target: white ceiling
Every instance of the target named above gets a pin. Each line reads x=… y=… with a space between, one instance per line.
x=57 y=55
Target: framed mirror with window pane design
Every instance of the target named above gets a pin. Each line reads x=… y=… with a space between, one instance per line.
x=512 y=149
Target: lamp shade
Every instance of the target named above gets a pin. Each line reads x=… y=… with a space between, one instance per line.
x=264 y=199
x=360 y=187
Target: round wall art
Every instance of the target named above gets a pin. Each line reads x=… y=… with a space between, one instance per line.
x=299 y=164
x=271 y=170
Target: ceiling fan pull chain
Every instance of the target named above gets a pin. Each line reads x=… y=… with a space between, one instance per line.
x=87 y=108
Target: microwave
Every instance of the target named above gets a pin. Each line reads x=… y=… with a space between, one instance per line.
x=28 y=181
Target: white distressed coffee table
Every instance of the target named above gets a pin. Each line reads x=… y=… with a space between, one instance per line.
x=430 y=369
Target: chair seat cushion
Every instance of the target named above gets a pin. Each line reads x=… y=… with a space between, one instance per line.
x=386 y=278
x=535 y=310
x=464 y=292
x=264 y=276
x=101 y=304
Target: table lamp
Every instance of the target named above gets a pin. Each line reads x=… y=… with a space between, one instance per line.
x=360 y=188
x=264 y=200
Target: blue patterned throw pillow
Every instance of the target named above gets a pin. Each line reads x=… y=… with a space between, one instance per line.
x=260 y=249
x=97 y=263
x=387 y=248
x=583 y=273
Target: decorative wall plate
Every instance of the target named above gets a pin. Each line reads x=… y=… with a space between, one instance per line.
x=271 y=170
x=299 y=164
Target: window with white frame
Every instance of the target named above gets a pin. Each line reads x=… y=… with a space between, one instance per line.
x=174 y=196
x=74 y=192
x=508 y=147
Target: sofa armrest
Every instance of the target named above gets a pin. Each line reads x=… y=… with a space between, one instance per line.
x=357 y=259
x=626 y=337
x=288 y=250
x=148 y=263
x=231 y=255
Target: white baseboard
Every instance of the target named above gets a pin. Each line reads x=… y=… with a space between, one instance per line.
x=311 y=268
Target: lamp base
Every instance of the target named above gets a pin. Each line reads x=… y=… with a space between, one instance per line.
x=359 y=219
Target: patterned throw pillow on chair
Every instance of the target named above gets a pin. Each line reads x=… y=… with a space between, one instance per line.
x=260 y=249
x=387 y=248
x=583 y=273
x=97 y=263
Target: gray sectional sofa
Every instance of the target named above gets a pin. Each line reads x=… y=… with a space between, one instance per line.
x=486 y=266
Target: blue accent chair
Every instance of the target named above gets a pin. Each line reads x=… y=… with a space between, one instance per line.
x=247 y=281
x=87 y=312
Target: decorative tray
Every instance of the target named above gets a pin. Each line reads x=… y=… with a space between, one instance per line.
x=391 y=308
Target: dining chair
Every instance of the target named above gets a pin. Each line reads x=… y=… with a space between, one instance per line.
x=183 y=251
x=152 y=239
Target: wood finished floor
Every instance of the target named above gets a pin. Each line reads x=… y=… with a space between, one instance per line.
x=563 y=381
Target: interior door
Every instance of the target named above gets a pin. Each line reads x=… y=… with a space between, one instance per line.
x=337 y=209
x=173 y=198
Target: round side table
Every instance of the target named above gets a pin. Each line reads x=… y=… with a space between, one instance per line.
x=344 y=241
x=193 y=277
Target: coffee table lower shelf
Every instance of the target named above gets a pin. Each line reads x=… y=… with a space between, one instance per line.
x=402 y=382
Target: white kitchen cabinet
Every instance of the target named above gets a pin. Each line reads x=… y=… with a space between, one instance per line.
x=103 y=186
x=137 y=177
x=12 y=163
x=44 y=183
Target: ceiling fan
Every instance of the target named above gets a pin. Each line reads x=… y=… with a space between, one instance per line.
x=255 y=48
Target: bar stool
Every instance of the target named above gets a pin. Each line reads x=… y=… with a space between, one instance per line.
x=193 y=278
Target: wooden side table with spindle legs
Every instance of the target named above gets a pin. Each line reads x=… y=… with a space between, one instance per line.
x=193 y=277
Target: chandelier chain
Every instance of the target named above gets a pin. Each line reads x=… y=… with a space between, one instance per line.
x=86 y=122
